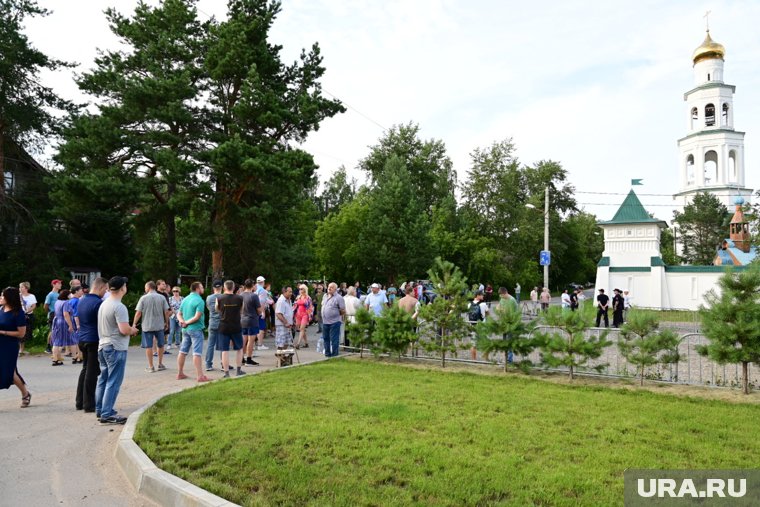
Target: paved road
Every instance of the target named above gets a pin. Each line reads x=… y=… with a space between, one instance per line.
x=56 y=455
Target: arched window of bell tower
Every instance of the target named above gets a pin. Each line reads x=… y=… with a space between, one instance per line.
x=710 y=115
x=733 y=174
x=694 y=117
x=711 y=167
x=690 y=170
x=724 y=116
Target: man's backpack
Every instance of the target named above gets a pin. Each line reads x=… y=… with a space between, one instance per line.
x=474 y=314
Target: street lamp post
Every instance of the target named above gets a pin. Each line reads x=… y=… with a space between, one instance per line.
x=546 y=235
x=545 y=257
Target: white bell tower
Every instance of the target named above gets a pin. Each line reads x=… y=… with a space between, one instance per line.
x=711 y=155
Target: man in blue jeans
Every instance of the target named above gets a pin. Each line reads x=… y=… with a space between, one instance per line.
x=213 y=324
x=333 y=310
x=191 y=317
x=114 y=331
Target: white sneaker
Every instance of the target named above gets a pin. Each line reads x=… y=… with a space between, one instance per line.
x=168 y=347
x=263 y=347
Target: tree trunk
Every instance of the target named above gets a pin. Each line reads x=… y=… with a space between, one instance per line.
x=203 y=266
x=217 y=269
x=642 y=376
x=217 y=259
x=572 y=377
x=2 y=165
x=745 y=379
x=171 y=247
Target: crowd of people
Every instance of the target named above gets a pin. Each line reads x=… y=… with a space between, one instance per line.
x=91 y=325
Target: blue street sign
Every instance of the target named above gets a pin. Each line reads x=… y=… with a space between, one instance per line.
x=545 y=258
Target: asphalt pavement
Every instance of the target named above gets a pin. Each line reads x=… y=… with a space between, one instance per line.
x=57 y=455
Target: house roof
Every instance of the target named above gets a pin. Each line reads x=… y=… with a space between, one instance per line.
x=632 y=212
x=731 y=255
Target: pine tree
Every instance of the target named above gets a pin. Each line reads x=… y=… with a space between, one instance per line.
x=259 y=108
x=505 y=333
x=731 y=320
x=568 y=344
x=148 y=127
x=445 y=326
x=361 y=331
x=394 y=330
x=701 y=227
x=643 y=344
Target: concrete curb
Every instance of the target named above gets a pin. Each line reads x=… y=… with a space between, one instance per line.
x=156 y=484
x=152 y=482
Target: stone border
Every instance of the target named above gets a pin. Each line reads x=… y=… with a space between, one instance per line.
x=152 y=482
x=156 y=484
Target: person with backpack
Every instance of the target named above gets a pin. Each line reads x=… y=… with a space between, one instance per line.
x=477 y=312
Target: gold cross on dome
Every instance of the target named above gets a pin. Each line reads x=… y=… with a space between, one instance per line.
x=707 y=20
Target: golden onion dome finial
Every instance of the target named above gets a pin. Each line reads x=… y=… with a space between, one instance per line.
x=708 y=49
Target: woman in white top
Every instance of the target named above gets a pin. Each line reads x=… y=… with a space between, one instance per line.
x=353 y=304
x=28 y=303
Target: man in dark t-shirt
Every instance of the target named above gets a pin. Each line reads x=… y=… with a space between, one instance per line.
x=229 y=305
x=249 y=320
x=602 y=305
x=88 y=344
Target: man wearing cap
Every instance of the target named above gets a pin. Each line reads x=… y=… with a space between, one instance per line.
x=265 y=301
x=50 y=300
x=114 y=331
x=213 y=323
x=154 y=311
x=191 y=317
x=602 y=305
x=617 y=308
x=376 y=300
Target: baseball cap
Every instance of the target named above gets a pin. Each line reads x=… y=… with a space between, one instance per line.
x=217 y=283
x=260 y=278
x=375 y=286
x=117 y=282
x=53 y=282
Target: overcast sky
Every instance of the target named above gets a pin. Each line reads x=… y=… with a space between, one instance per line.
x=597 y=86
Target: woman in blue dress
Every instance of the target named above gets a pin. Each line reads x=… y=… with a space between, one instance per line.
x=71 y=316
x=60 y=332
x=12 y=327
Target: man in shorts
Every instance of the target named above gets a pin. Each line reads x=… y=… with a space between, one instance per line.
x=191 y=318
x=284 y=315
x=229 y=306
x=249 y=320
x=154 y=311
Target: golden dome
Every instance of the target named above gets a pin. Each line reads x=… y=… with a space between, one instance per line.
x=708 y=49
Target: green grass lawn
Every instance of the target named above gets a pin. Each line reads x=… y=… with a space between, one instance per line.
x=348 y=432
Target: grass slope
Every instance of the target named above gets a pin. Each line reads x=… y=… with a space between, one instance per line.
x=366 y=433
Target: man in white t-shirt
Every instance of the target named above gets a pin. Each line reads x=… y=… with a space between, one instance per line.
x=376 y=300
